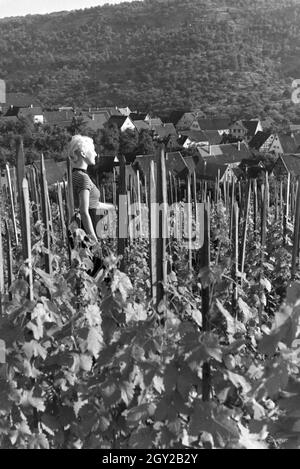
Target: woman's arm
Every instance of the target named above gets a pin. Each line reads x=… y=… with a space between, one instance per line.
x=84 y=198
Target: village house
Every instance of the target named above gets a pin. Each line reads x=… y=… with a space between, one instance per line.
x=184 y=120
x=164 y=130
x=95 y=121
x=139 y=116
x=14 y=106
x=141 y=125
x=154 y=121
x=230 y=154
x=122 y=122
x=221 y=125
x=287 y=164
x=192 y=138
x=108 y=110
x=208 y=170
x=33 y=114
x=167 y=134
x=125 y=111
x=60 y=119
x=262 y=141
x=285 y=143
x=175 y=164
x=245 y=129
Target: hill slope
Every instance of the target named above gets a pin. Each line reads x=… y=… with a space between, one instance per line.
x=160 y=54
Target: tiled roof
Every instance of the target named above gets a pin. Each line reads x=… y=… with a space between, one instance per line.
x=251 y=126
x=58 y=117
x=196 y=135
x=214 y=137
x=154 y=121
x=118 y=120
x=291 y=163
x=190 y=162
x=138 y=116
x=12 y=111
x=164 y=130
x=175 y=116
x=288 y=143
x=214 y=124
x=207 y=170
x=225 y=154
x=211 y=136
x=175 y=163
x=111 y=111
x=95 y=121
x=259 y=139
x=141 y=125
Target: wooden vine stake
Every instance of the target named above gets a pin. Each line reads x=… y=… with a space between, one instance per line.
x=255 y=208
x=70 y=198
x=61 y=211
x=296 y=232
x=45 y=217
x=264 y=207
x=114 y=188
x=12 y=205
x=158 y=226
x=245 y=228
x=287 y=205
x=27 y=241
x=235 y=256
x=9 y=260
x=189 y=220
x=2 y=284
x=139 y=203
x=276 y=200
x=122 y=213
x=203 y=256
x=232 y=206
x=20 y=177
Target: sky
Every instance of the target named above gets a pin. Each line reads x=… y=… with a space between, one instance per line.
x=31 y=7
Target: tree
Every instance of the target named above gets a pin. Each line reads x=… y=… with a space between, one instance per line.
x=145 y=144
x=128 y=144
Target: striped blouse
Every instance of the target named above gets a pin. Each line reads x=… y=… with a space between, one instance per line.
x=81 y=181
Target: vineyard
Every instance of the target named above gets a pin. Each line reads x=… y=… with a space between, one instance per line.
x=186 y=337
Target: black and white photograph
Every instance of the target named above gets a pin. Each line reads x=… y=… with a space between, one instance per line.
x=149 y=228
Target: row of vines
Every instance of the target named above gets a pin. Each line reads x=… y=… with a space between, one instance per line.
x=97 y=362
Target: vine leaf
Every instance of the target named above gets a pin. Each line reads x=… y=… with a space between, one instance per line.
x=214 y=419
x=27 y=400
x=135 y=312
x=34 y=349
x=266 y=284
x=38 y=441
x=122 y=284
x=247 y=313
x=233 y=325
x=142 y=438
x=94 y=342
x=251 y=440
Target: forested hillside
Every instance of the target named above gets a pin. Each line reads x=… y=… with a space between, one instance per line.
x=223 y=56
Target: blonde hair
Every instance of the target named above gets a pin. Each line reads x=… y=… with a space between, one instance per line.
x=77 y=144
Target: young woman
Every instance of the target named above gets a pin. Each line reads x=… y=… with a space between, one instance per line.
x=86 y=194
